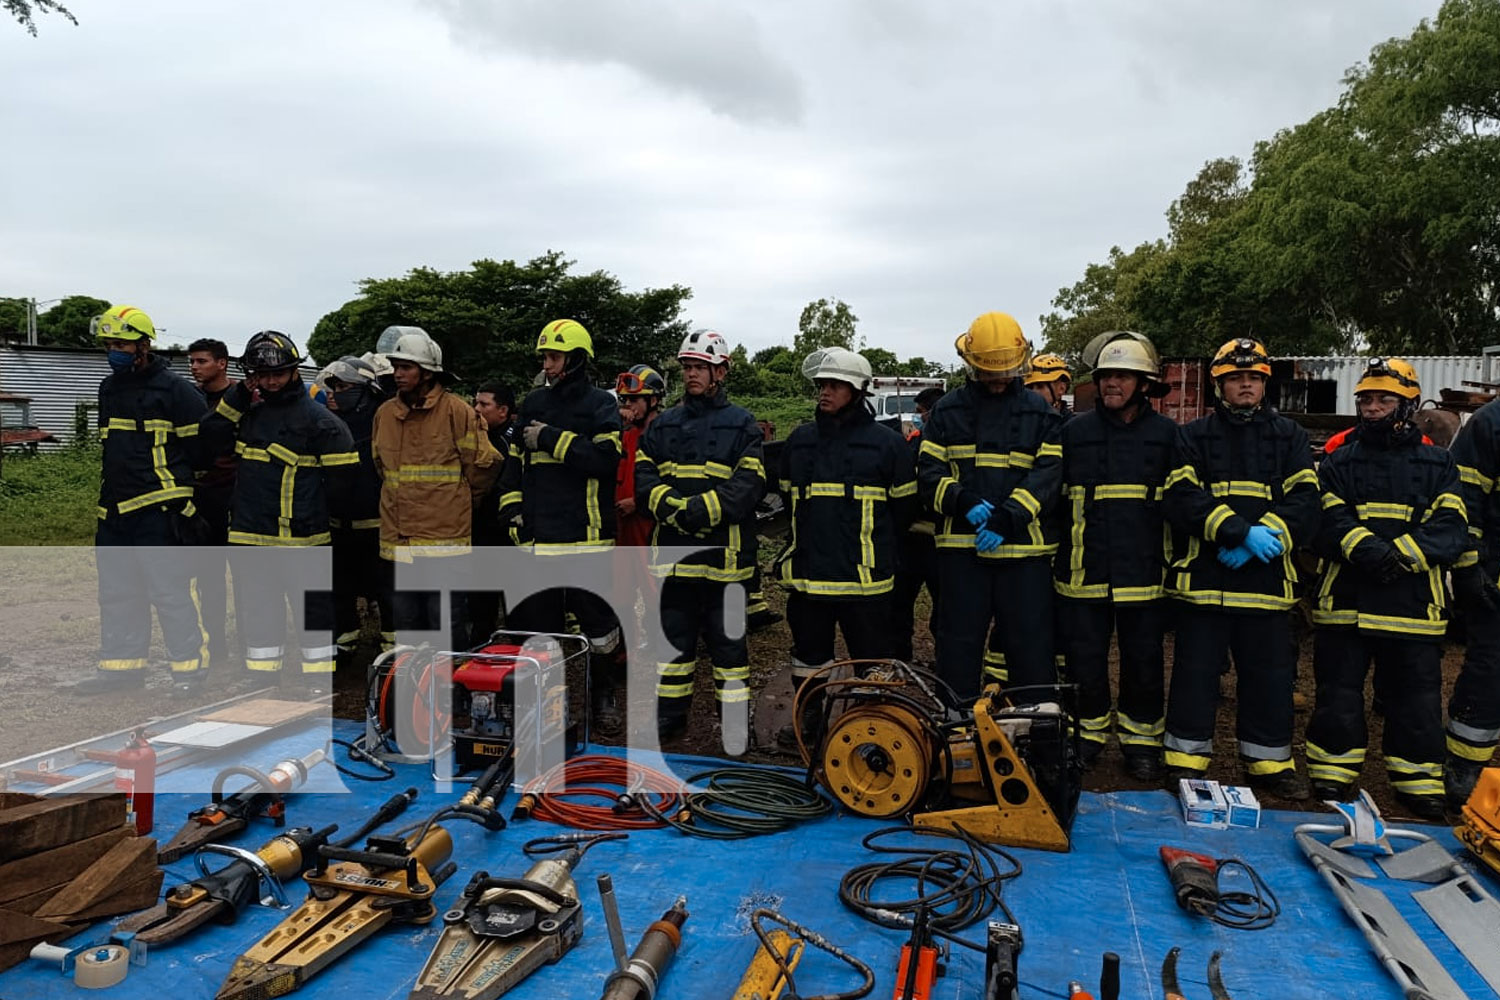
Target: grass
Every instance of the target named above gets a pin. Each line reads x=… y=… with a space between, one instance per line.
x=785 y=413
x=50 y=498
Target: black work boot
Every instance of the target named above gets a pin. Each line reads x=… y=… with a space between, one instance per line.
x=607 y=694
x=812 y=719
x=1287 y=784
x=187 y=684
x=671 y=718
x=1459 y=778
x=1144 y=763
x=108 y=681
x=1088 y=753
x=761 y=618
x=1174 y=776
x=1331 y=791
x=1423 y=807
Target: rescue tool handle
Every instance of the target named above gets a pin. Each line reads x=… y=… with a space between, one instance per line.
x=370 y=859
x=478 y=885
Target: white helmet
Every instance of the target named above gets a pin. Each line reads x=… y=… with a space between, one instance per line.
x=838 y=363
x=378 y=362
x=386 y=342
x=705 y=345
x=415 y=346
x=350 y=369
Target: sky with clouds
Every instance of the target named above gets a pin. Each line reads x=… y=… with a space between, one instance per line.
x=236 y=167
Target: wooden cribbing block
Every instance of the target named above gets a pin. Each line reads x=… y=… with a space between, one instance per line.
x=49 y=869
x=29 y=825
x=129 y=861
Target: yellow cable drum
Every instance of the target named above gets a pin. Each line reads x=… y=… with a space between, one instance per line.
x=877 y=760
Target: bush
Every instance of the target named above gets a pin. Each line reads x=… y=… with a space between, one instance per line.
x=51 y=498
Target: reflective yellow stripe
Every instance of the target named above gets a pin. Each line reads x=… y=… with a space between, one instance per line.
x=131 y=664
x=339 y=458
x=424 y=474
x=1408 y=547
x=932 y=450
x=908 y=489
x=565 y=441
x=1330 y=501
x=1191 y=762
x=1297 y=478
x=1459 y=748
x=250 y=538
x=185 y=430
x=1182 y=474
x=1049 y=450
x=753 y=464
x=571 y=548
x=225 y=410
x=1231 y=599
x=1399 y=511
x=1241 y=488
x=1446 y=501
x=1008 y=460
x=1352 y=538
x=944 y=485
x=1391 y=623
x=1121 y=491
x=1215 y=521
x=714 y=508
x=156 y=496
x=1474 y=477
x=1026 y=500
x=958 y=452
x=1260 y=768
x=1354 y=757
x=707 y=470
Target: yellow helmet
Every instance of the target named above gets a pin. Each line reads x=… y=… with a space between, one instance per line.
x=994 y=343
x=1129 y=352
x=1241 y=355
x=1391 y=375
x=1047 y=368
x=565 y=335
x=122 y=323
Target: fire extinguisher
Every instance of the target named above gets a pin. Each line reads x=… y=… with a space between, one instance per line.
x=135 y=775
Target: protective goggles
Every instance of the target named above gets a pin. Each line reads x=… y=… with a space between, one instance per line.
x=631 y=384
x=1381 y=368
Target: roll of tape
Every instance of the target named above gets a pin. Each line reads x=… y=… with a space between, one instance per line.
x=100 y=967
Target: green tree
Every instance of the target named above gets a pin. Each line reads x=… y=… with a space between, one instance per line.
x=486 y=319
x=67 y=323
x=12 y=319
x=825 y=324
x=24 y=11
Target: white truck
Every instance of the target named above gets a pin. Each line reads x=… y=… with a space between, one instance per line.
x=894 y=397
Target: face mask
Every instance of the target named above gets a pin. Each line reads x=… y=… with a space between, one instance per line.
x=916 y=421
x=349 y=400
x=121 y=361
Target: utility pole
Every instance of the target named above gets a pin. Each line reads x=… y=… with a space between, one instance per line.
x=31 y=322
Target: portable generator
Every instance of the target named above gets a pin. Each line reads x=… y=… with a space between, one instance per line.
x=470 y=707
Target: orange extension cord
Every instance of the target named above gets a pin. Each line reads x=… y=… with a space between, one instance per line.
x=554 y=797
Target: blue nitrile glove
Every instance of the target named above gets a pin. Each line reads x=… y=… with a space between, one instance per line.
x=986 y=540
x=980 y=513
x=1235 y=558
x=1264 y=543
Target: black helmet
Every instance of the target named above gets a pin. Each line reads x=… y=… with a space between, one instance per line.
x=269 y=351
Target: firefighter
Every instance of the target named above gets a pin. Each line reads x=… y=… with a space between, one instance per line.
x=1393 y=519
x=555 y=494
x=1474 y=708
x=916 y=564
x=853 y=489
x=1109 y=567
x=1049 y=378
x=495 y=403
x=1242 y=495
x=699 y=474
x=208 y=361
x=297 y=465
x=988 y=468
x=354 y=394
x=640 y=392
x=436 y=464
x=148 y=422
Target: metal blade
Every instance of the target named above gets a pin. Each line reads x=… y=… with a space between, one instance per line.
x=194 y=835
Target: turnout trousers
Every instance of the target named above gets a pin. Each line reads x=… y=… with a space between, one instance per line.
x=1336 y=734
x=916 y=567
x=692 y=609
x=358 y=571
x=1474 y=708
x=141 y=566
x=268 y=583
x=1085 y=628
x=211 y=561
x=1265 y=666
x=865 y=623
x=1016 y=594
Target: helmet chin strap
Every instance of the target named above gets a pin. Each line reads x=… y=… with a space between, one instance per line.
x=1243 y=412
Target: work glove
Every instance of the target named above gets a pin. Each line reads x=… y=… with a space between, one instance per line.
x=692 y=518
x=979 y=514
x=1473 y=594
x=531 y=435
x=1393 y=566
x=1264 y=543
x=986 y=540
x=1236 y=557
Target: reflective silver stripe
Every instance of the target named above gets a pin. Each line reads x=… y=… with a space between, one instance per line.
x=800 y=669
x=319 y=652
x=1470 y=734
x=1259 y=752
x=1199 y=748
x=262 y=652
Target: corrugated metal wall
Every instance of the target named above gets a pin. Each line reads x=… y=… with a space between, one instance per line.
x=59 y=378
x=1433 y=372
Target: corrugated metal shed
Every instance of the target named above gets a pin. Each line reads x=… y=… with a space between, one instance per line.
x=58 y=379
x=1433 y=372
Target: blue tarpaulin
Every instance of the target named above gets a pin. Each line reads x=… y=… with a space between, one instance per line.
x=1110 y=893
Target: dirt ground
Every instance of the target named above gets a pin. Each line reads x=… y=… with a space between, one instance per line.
x=49 y=620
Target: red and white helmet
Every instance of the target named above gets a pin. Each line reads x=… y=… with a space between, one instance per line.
x=705 y=345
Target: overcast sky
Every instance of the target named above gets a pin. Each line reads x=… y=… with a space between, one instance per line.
x=235 y=167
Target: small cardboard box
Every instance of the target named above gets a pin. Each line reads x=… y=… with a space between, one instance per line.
x=1203 y=803
x=1244 y=807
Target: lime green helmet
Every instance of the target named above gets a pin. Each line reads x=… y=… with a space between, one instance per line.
x=122 y=323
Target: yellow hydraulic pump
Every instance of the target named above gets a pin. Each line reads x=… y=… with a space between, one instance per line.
x=1480 y=830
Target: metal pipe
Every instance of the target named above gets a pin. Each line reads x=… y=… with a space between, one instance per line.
x=612 y=920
